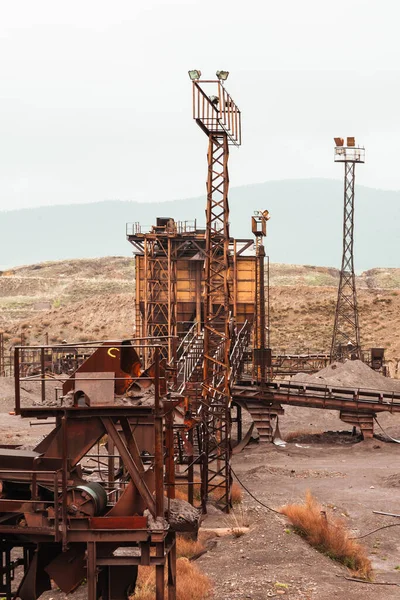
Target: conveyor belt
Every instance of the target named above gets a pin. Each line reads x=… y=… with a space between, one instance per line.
x=317 y=396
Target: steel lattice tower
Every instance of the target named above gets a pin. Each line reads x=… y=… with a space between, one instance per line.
x=218 y=116
x=346 y=331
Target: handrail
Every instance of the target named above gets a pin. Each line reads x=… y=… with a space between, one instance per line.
x=187 y=336
x=360 y=395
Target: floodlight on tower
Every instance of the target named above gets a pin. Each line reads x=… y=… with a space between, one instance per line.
x=195 y=74
x=222 y=75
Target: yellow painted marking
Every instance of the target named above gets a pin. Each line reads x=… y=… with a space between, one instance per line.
x=109 y=352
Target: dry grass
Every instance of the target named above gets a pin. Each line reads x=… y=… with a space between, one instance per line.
x=187 y=548
x=182 y=494
x=237 y=493
x=328 y=535
x=97 y=294
x=191 y=583
x=238 y=521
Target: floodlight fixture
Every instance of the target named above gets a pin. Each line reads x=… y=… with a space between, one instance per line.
x=214 y=100
x=222 y=75
x=195 y=74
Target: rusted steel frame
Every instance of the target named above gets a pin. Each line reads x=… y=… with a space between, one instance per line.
x=223 y=118
x=158 y=442
x=160 y=590
x=138 y=315
x=56 y=509
x=346 y=328
x=64 y=482
x=146 y=294
x=172 y=570
x=43 y=375
x=34 y=486
x=173 y=249
x=216 y=387
x=269 y=312
x=190 y=470
x=111 y=466
x=324 y=402
x=235 y=281
x=256 y=329
x=179 y=444
x=122 y=536
x=157 y=288
x=91 y=570
x=129 y=561
x=41 y=532
x=198 y=284
x=131 y=444
x=139 y=245
x=129 y=463
x=260 y=283
x=199 y=248
x=169 y=445
x=17 y=382
x=314 y=398
x=22 y=506
x=246 y=245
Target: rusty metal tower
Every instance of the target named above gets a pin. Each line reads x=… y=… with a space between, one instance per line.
x=261 y=352
x=218 y=116
x=346 y=331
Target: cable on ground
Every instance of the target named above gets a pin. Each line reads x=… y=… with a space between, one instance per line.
x=360 y=537
x=253 y=496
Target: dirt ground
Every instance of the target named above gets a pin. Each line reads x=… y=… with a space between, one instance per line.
x=350 y=479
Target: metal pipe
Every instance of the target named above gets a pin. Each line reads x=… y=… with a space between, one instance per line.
x=17 y=382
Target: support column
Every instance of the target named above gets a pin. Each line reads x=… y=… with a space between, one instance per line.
x=216 y=386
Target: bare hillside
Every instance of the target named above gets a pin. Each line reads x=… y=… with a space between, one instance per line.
x=94 y=298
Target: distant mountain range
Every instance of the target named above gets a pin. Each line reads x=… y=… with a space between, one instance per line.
x=305 y=225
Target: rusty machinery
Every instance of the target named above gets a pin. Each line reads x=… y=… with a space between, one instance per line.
x=209 y=264
x=171 y=250
x=220 y=119
x=61 y=520
x=346 y=331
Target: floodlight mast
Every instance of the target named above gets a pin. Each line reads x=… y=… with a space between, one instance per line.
x=346 y=331
x=261 y=351
x=221 y=122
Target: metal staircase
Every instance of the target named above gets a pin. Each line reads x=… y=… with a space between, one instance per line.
x=190 y=361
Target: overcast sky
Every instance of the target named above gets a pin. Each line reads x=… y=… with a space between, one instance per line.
x=95 y=100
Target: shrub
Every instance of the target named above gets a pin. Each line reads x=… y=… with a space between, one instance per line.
x=328 y=535
x=191 y=584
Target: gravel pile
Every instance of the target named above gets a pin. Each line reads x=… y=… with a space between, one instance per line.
x=351 y=373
